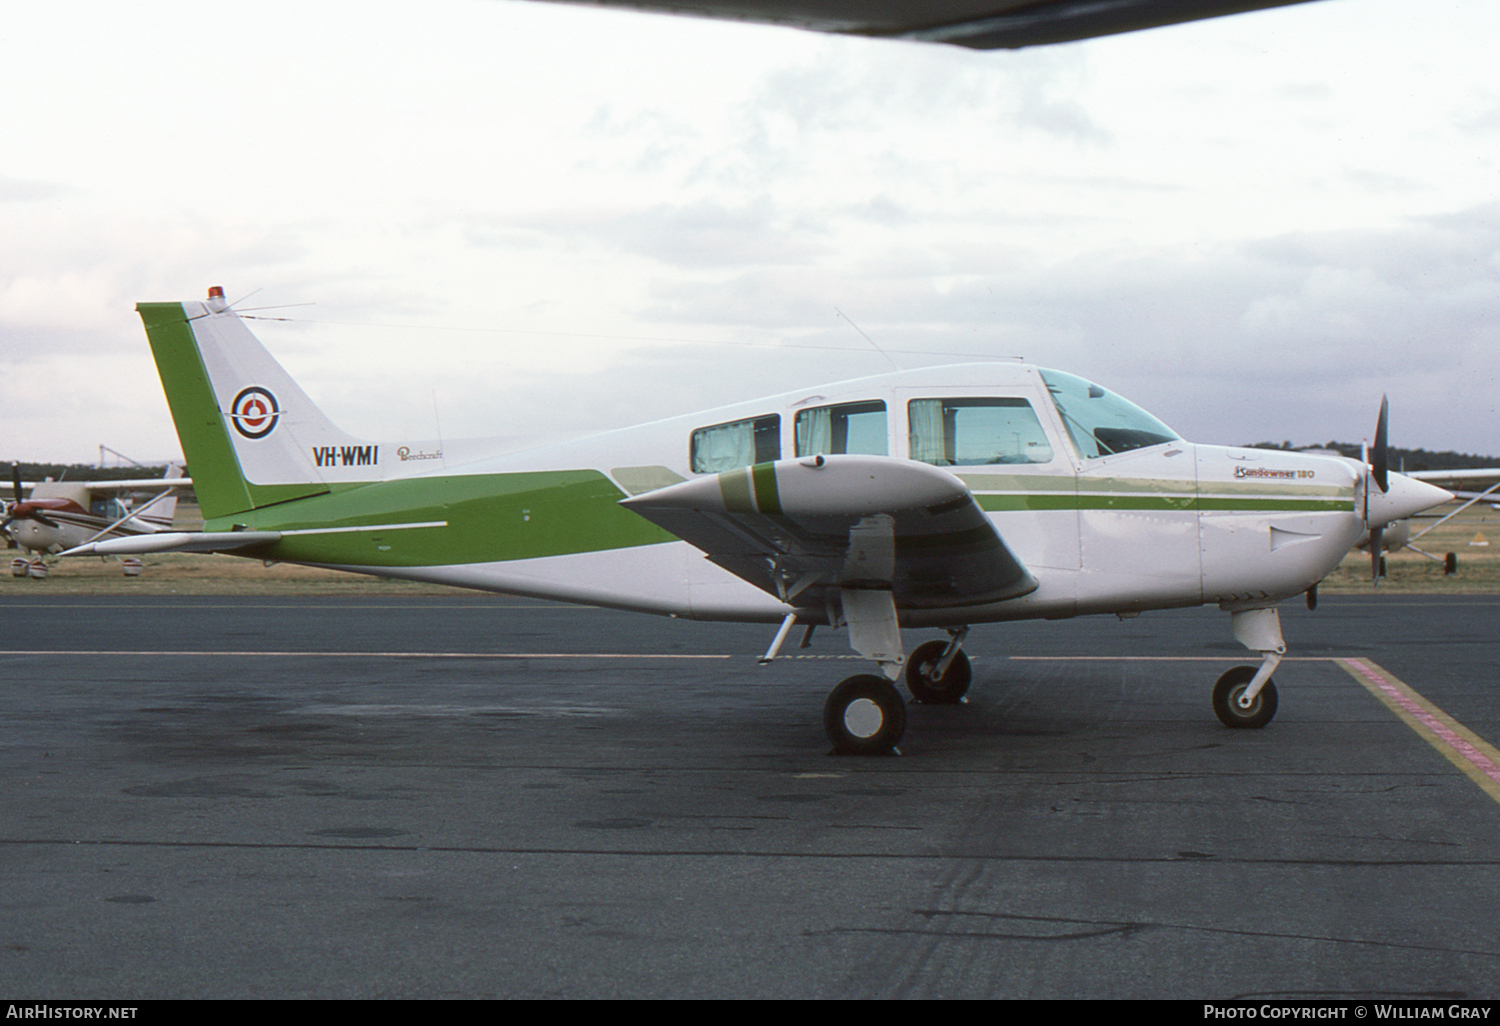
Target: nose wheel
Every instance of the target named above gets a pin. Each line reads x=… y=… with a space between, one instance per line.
x=864 y=715
x=1228 y=693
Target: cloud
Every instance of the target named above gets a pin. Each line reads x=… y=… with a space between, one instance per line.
x=17 y=190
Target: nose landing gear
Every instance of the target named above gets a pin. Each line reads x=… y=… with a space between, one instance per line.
x=1229 y=692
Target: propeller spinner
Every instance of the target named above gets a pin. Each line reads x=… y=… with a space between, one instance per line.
x=1378 y=476
x=1390 y=497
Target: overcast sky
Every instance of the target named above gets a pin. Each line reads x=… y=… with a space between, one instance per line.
x=533 y=220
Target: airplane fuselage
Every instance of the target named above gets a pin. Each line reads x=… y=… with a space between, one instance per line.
x=68 y=524
x=1169 y=523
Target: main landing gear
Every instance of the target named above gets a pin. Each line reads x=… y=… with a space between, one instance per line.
x=865 y=714
x=938 y=672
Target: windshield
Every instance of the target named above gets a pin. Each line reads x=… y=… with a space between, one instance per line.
x=1101 y=422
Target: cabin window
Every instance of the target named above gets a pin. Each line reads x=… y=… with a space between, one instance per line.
x=1100 y=422
x=850 y=427
x=727 y=446
x=973 y=432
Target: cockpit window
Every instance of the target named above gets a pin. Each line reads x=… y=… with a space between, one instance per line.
x=850 y=427
x=972 y=432
x=738 y=444
x=1101 y=423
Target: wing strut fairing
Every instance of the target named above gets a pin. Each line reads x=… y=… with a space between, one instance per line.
x=978 y=24
x=811 y=530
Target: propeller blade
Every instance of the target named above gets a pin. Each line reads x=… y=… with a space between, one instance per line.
x=18 y=512
x=1379 y=459
x=15 y=480
x=1375 y=553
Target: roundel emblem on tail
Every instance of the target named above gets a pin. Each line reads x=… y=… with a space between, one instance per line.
x=254 y=412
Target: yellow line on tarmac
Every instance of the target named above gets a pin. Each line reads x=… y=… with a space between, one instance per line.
x=1475 y=757
x=1478 y=760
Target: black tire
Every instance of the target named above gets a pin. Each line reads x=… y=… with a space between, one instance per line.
x=929 y=690
x=1227 y=692
x=864 y=715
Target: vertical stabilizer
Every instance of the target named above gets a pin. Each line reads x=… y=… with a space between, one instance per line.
x=251 y=436
x=158 y=513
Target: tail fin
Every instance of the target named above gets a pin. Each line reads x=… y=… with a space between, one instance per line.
x=251 y=436
x=161 y=511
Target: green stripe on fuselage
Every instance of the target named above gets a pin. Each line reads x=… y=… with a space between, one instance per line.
x=1276 y=504
x=488 y=518
x=1008 y=502
x=997 y=493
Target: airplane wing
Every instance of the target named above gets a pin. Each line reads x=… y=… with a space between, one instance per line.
x=138 y=484
x=1461 y=478
x=979 y=24
x=805 y=529
x=124 y=484
x=1476 y=483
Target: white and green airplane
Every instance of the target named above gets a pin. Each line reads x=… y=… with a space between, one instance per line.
x=935 y=498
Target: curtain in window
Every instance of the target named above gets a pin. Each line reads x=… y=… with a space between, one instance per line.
x=722 y=448
x=815 y=431
x=927 y=430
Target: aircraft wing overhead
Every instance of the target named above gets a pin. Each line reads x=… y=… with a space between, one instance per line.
x=805 y=529
x=138 y=484
x=1450 y=479
x=1477 y=483
x=979 y=24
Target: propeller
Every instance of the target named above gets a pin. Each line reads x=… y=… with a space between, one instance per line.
x=1378 y=476
x=15 y=480
x=19 y=508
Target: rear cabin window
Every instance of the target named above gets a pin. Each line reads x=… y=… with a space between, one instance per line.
x=739 y=444
x=848 y=428
x=976 y=432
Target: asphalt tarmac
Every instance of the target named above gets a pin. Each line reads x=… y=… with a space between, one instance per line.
x=489 y=797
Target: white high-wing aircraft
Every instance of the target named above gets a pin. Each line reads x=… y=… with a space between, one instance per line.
x=61 y=515
x=932 y=498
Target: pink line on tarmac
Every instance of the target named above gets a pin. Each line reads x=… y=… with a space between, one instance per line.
x=1441 y=730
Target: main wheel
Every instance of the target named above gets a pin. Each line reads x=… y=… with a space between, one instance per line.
x=925 y=687
x=1227 y=693
x=864 y=715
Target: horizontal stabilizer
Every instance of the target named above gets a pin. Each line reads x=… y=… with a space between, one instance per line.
x=176 y=541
